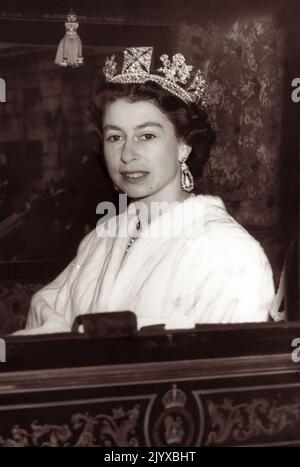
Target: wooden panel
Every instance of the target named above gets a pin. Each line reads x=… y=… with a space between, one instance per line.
x=162 y=391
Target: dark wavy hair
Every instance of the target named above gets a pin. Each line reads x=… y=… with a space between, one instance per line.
x=190 y=121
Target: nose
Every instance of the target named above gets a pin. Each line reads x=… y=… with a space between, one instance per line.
x=129 y=151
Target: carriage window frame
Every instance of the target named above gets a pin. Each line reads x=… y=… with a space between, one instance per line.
x=55 y=24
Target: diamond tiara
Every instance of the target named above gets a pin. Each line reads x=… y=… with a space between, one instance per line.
x=173 y=78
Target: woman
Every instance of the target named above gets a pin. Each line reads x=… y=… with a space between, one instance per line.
x=171 y=257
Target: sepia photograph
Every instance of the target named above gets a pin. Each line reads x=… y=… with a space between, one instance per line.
x=149 y=199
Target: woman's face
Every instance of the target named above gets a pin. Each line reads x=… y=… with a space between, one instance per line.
x=142 y=150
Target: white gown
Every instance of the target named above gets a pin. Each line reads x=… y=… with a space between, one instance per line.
x=193 y=264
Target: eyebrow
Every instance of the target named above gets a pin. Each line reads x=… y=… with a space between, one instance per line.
x=149 y=124
x=143 y=125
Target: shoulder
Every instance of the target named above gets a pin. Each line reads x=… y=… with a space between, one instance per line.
x=222 y=240
x=215 y=215
x=105 y=230
x=87 y=242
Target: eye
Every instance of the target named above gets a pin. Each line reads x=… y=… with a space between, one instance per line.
x=147 y=136
x=113 y=138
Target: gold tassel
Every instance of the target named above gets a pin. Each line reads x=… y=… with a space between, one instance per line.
x=69 y=52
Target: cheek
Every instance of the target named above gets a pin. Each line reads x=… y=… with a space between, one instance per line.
x=166 y=153
x=170 y=162
x=110 y=158
x=165 y=171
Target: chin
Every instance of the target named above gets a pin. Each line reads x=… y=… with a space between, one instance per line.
x=137 y=193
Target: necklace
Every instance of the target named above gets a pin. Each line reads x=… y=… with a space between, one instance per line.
x=137 y=232
x=134 y=237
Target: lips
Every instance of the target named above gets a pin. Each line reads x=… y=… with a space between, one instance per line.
x=134 y=177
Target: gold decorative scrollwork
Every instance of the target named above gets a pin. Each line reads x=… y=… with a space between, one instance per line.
x=84 y=430
x=241 y=422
